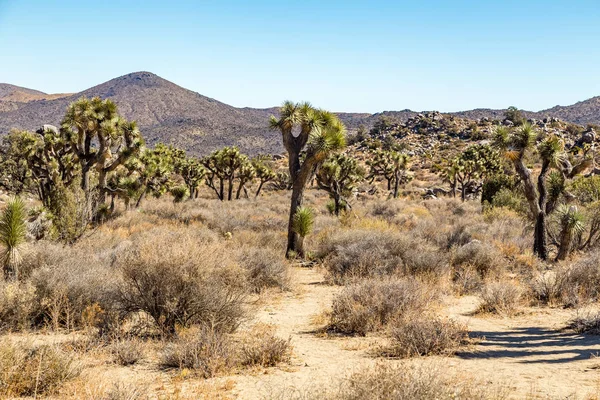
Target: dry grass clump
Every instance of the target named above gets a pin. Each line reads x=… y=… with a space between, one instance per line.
x=208 y=352
x=586 y=323
x=483 y=257
x=569 y=285
x=205 y=351
x=178 y=281
x=17 y=305
x=370 y=305
x=423 y=335
x=401 y=382
x=127 y=352
x=26 y=370
x=263 y=348
x=265 y=268
x=501 y=297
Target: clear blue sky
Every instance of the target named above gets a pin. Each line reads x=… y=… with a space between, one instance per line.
x=348 y=55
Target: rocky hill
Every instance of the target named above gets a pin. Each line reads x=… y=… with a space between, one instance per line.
x=172 y=114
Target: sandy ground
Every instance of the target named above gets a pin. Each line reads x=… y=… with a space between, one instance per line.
x=530 y=354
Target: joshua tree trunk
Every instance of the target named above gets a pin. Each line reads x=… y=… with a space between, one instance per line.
x=539 y=243
x=295 y=243
x=259 y=189
x=336 y=202
x=230 y=189
x=139 y=200
x=396 y=184
x=294 y=240
x=564 y=247
x=540 y=247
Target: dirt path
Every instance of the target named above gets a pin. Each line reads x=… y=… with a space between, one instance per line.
x=316 y=359
x=529 y=354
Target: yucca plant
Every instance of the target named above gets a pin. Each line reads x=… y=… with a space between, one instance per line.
x=13 y=232
x=571 y=223
x=302 y=224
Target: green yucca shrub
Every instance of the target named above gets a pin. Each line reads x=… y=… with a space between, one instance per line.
x=13 y=231
x=302 y=224
x=180 y=193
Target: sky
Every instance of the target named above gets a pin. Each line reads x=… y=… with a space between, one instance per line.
x=353 y=56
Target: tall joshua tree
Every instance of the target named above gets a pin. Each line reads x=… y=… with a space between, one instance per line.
x=542 y=201
x=309 y=135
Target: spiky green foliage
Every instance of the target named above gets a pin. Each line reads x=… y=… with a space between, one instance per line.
x=309 y=136
x=392 y=166
x=42 y=159
x=339 y=176
x=13 y=231
x=180 y=193
x=572 y=224
x=303 y=222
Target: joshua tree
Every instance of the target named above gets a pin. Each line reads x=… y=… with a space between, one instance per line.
x=100 y=138
x=471 y=165
x=245 y=174
x=309 y=135
x=154 y=171
x=222 y=168
x=13 y=232
x=264 y=172
x=541 y=200
x=392 y=166
x=192 y=172
x=339 y=176
x=302 y=224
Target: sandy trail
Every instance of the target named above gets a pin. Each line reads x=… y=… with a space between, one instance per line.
x=529 y=353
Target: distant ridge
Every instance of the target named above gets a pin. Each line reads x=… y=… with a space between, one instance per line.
x=172 y=114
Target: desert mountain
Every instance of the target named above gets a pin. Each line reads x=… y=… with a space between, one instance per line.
x=172 y=114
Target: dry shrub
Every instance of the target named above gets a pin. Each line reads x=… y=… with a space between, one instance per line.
x=17 y=306
x=66 y=288
x=30 y=371
x=370 y=305
x=263 y=348
x=580 y=283
x=205 y=351
x=425 y=335
x=360 y=253
x=484 y=257
x=375 y=253
x=178 y=281
x=586 y=323
x=501 y=298
x=547 y=288
x=127 y=352
x=410 y=382
x=265 y=268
